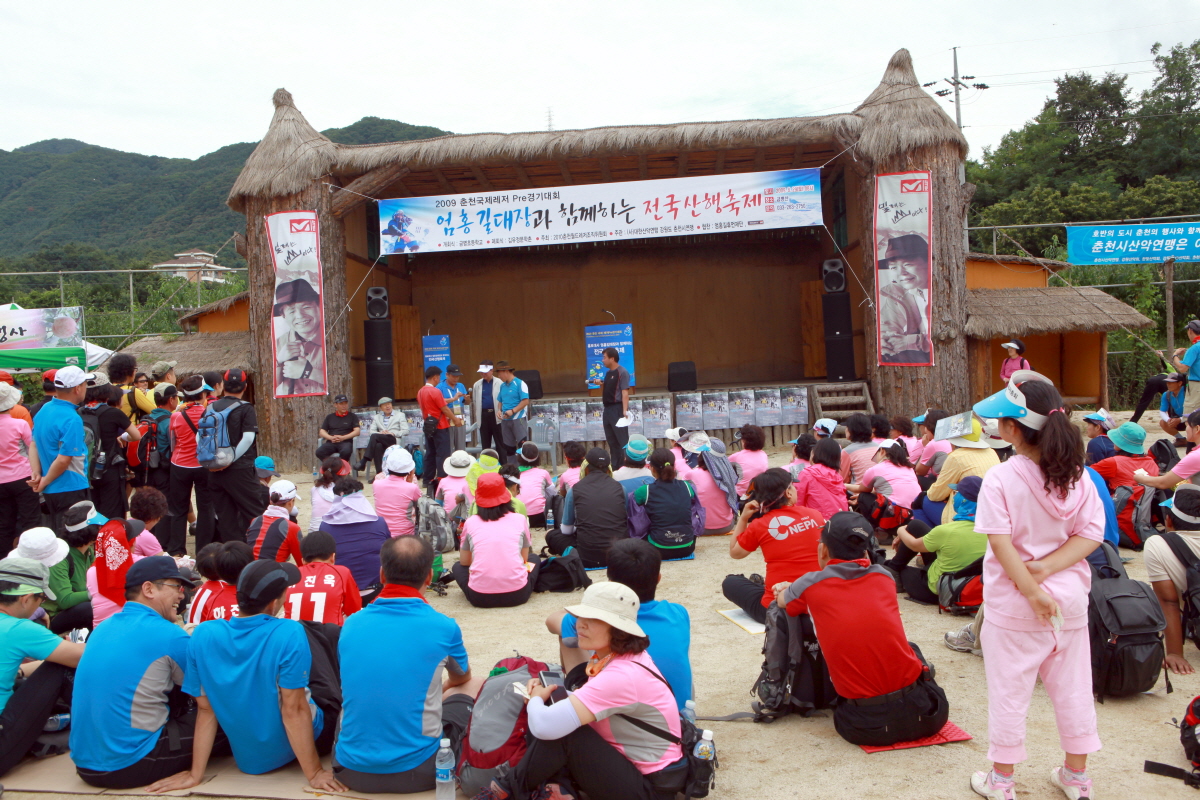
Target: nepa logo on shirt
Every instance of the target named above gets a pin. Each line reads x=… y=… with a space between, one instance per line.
x=782 y=527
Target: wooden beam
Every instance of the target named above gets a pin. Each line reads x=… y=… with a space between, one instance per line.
x=760 y=159
x=719 y=167
x=523 y=176
x=798 y=156
x=642 y=173
x=483 y=181
x=404 y=191
x=445 y=184
x=369 y=184
x=379 y=267
x=683 y=162
x=566 y=172
x=605 y=171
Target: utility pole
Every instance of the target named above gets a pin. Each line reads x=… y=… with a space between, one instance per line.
x=1169 y=291
x=957 y=85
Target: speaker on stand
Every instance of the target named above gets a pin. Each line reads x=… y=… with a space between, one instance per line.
x=839 y=330
x=377 y=346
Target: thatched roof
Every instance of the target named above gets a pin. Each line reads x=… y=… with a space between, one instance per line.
x=215 y=307
x=195 y=352
x=897 y=116
x=1001 y=258
x=992 y=313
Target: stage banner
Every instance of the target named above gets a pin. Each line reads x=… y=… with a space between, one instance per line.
x=298 y=319
x=571 y=424
x=1132 y=244
x=716 y=411
x=546 y=413
x=766 y=408
x=595 y=420
x=903 y=235
x=597 y=339
x=415 y=423
x=689 y=411
x=741 y=407
x=656 y=416
x=635 y=416
x=601 y=212
x=23 y=328
x=436 y=350
x=793 y=402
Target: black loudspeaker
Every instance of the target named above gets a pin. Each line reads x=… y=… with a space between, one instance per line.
x=377 y=302
x=381 y=380
x=839 y=358
x=533 y=379
x=377 y=340
x=833 y=274
x=681 y=376
x=835 y=308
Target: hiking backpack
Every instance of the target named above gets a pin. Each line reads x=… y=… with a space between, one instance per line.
x=418 y=459
x=91 y=435
x=961 y=592
x=1143 y=509
x=563 y=573
x=794 y=677
x=1125 y=625
x=1189 y=737
x=213 y=448
x=143 y=454
x=1165 y=454
x=433 y=525
x=1189 y=602
x=881 y=512
x=496 y=735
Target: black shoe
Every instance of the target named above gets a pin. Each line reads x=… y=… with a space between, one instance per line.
x=757 y=580
x=191 y=529
x=360 y=466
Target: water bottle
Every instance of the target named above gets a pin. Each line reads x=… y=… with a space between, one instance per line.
x=57 y=722
x=444 y=764
x=99 y=466
x=549 y=516
x=689 y=711
x=438 y=566
x=705 y=749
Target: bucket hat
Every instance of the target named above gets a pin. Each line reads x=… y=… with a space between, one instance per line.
x=1130 y=437
x=491 y=491
x=458 y=463
x=610 y=602
x=42 y=545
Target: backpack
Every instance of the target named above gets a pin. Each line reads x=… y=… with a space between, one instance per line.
x=1189 y=603
x=1142 y=526
x=563 y=573
x=1125 y=624
x=418 y=459
x=91 y=435
x=794 y=677
x=1191 y=748
x=1164 y=454
x=433 y=525
x=496 y=735
x=143 y=454
x=213 y=448
x=961 y=592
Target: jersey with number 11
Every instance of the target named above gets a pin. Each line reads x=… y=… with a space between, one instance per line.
x=325 y=593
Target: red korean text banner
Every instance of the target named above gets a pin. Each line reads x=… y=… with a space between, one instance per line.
x=298 y=316
x=903 y=275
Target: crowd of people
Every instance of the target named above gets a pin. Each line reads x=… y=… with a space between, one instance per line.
x=269 y=644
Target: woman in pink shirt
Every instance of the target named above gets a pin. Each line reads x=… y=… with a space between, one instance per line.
x=535 y=484
x=1186 y=468
x=19 y=509
x=396 y=491
x=892 y=475
x=750 y=460
x=493 y=569
x=573 y=452
x=902 y=431
x=457 y=465
x=321 y=495
x=933 y=454
x=820 y=485
x=1042 y=519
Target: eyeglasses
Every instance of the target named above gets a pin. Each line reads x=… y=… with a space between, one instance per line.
x=169 y=584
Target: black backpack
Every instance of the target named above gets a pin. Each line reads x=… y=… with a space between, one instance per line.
x=563 y=573
x=1125 y=623
x=1189 y=603
x=1165 y=454
x=794 y=677
x=1191 y=748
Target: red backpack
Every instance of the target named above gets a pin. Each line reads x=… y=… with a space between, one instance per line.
x=496 y=734
x=961 y=592
x=1191 y=748
x=144 y=452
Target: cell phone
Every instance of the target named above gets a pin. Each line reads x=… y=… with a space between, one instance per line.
x=551 y=677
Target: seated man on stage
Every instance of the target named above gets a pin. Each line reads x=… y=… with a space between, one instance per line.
x=338 y=431
x=388 y=427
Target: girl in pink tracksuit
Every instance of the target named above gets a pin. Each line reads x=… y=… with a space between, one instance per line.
x=1042 y=520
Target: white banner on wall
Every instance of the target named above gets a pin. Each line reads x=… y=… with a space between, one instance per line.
x=298 y=317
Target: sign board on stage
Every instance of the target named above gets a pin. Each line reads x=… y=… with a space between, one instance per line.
x=1133 y=244
x=793 y=401
x=953 y=427
x=741 y=407
x=595 y=420
x=572 y=425
x=543 y=412
x=746 y=201
x=716 y=411
x=656 y=416
x=436 y=351
x=689 y=411
x=766 y=408
x=596 y=339
x=635 y=415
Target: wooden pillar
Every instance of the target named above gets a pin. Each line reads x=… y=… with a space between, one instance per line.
x=287 y=428
x=1104 y=369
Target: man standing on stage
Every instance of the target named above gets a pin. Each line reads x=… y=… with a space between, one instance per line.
x=513 y=398
x=455 y=392
x=616 y=405
x=483 y=406
x=436 y=420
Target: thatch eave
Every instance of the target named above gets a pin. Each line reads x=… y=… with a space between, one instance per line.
x=215 y=307
x=995 y=313
x=196 y=352
x=1054 y=266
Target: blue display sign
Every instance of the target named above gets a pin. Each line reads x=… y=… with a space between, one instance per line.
x=437 y=351
x=1133 y=244
x=599 y=337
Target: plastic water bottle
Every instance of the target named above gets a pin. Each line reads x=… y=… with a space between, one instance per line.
x=57 y=722
x=705 y=748
x=438 y=566
x=444 y=764
x=689 y=711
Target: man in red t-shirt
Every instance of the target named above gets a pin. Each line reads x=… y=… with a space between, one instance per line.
x=326 y=592
x=888 y=693
x=186 y=472
x=1130 y=441
x=433 y=405
x=229 y=561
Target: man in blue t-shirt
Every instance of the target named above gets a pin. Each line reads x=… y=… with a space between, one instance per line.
x=391 y=728
x=62 y=449
x=130 y=725
x=455 y=392
x=24 y=584
x=513 y=397
x=1187 y=361
x=251 y=674
x=637 y=564
x=1171 y=413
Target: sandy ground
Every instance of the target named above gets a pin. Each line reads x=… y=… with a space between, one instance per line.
x=805 y=758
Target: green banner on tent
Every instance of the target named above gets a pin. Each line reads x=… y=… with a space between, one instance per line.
x=40 y=359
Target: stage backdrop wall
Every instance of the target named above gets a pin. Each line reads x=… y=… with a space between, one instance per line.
x=733 y=309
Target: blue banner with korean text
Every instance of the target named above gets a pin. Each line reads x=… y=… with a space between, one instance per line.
x=598 y=338
x=1133 y=244
x=601 y=212
x=437 y=351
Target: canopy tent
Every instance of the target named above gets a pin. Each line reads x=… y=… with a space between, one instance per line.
x=40 y=359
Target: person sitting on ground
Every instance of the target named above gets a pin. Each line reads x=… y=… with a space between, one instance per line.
x=24 y=584
x=678 y=435
x=933 y=452
x=388 y=428
x=454 y=489
x=1168 y=575
x=106 y=577
x=573 y=453
x=229 y=561
x=751 y=460
x=575 y=736
x=1186 y=468
x=252 y=677
x=273 y=535
x=325 y=592
x=594 y=514
x=824 y=429
x=130 y=725
x=802 y=447
x=359 y=533
x=397 y=492
x=391 y=729
x=1099 y=446
x=900 y=429
x=536 y=484
x=1171 y=415
x=891 y=476
x=338 y=430
x=820 y=486
x=880 y=426
x=887 y=690
x=638 y=565
x=68 y=578
x=494 y=569
x=970 y=454
x=511 y=474
x=787 y=534
x=488 y=461
x=321 y=496
x=1129 y=441
x=206 y=566
x=715 y=482
x=666 y=513
x=862 y=447
x=148 y=506
x=946 y=548
x=634 y=472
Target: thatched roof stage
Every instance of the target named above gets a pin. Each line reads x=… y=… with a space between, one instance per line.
x=195 y=352
x=215 y=307
x=993 y=313
x=898 y=115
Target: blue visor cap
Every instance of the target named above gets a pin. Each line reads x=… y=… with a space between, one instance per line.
x=1008 y=403
x=921 y=419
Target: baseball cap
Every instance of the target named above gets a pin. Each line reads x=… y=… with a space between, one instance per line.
x=30 y=576
x=70 y=377
x=341 y=398
x=48 y=375
x=1177 y=377
x=398 y=459
x=234 y=377
x=5 y=377
x=285 y=489
x=265 y=467
x=161 y=368
x=453 y=369
x=266 y=578
x=166 y=391
x=598 y=457
x=1194 y=326
x=610 y=602
x=826 y=425
x=155 y=568
x=638 y=447
x=969 y=487
x=850 y=528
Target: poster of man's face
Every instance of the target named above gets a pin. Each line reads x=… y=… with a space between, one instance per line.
x=299 y=339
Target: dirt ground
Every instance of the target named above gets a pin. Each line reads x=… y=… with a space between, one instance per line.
x=805 y=758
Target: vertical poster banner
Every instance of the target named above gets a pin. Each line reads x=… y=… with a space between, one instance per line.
x=544 y=413
x=716 y=411
x=741 y=407
x=689 y=411
x=903 y=231
x=436 y=350
x=766 y=408
x=571 y=425
x=793 y=401
x=298 y=318
x=635 y=415
x=656 y=417
x=597 y=338
x=595 y=420
x=413 y=417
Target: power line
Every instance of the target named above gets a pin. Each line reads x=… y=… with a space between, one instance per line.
x=1085 y=33
x=1055 y=80
x=1068 y=69
x=1089 y=121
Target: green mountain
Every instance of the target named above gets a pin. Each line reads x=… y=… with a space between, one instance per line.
x=62 y=191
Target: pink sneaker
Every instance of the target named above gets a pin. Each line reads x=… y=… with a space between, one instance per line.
x=987 y=785
x=1073 y=788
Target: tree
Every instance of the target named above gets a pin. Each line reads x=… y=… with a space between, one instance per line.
x=1168 y=136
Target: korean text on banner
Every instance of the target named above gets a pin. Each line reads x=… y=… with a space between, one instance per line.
x=601 y=212
x=298 y=319
x=1132 y=244
x=22 y=328
x=903 y=231
x=437 y=351
x=598 y=338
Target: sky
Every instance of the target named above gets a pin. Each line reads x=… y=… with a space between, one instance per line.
x=183 y=79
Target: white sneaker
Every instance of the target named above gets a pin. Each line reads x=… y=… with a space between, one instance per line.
x=78 y=635
x=963 y=641
x=1073 y=788
x=986 y=785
